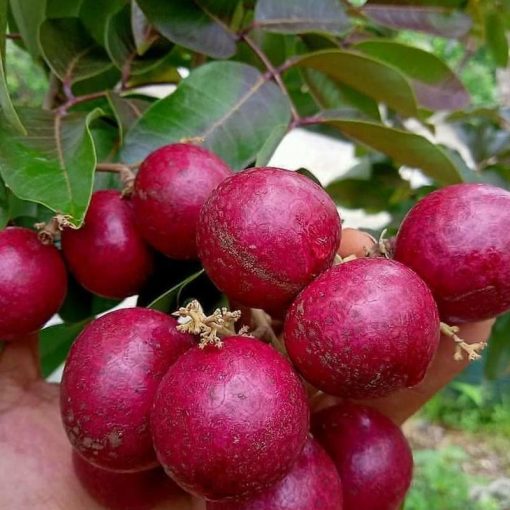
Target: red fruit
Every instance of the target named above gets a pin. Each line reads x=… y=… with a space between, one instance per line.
x=371 y=454
x=312 y=484
x=108 y=255
x=265 y=233
x=142 y=490
x=229 y=421
x=171 y=186
x=109 y=383
x=33 y=282
x=363 y=329
x=458 y=240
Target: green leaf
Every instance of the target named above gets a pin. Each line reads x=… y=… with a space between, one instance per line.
x=127 y=111
x=405 y=148
x=230 y=105
x=4 y=205
x=436 y=86
x=54 y=164
x=310 y=175
x=497 y=361
x=70 y=52
x=170 y=299
x=365 y=74
x=271 y=144
x=298 y=16
x=63 y=9
x=192 y=25
x=431 y=20
x=495 y=35
x=54 y=344
x=95 y=14
x=28 y=15
x=141 y=29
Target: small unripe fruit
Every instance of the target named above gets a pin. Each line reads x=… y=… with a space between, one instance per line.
x=363 y=329
x=355 y=242
x=33 y=282
x=312 y=484
x=371 y=454
x=107 y=255
x=171 y=186
x=265 y=233
x=109 y=382
x=458 y=240
x=228 y=422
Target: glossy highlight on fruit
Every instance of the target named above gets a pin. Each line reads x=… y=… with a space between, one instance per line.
x=228 y=422
x=171 y=186
x=363 y=329
x=107 y=255
x=265 y=233
x=458 y=240
x=33 y=282
x=109 y=382
x=371 y=454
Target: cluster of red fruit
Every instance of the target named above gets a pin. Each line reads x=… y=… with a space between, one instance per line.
x=229 y=419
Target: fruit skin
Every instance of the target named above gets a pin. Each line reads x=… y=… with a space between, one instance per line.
x=363 y=329
x=229 y=421
x=142 y=490
x=171 y=186
x=33 y=282
x=457 y=239
x=108 y=255
x=371 y=454
x=312 y=484
x=109 y=382
x=265 y=233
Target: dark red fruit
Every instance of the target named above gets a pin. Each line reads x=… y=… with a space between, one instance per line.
x=265 y=233
x=229 y=421
x=108 y=255
x=171 y=186
x=33 y=282
x=109 y=383
x=312 y=484
x=458 y=240
x=142 y=490
x=363 y=329
x=371 y=454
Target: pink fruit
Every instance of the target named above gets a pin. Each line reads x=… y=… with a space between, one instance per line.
x=108 y=255
x=371 y=454
x=312 y=484
x=229 y=421
x=265 y=233
x=458 y=240
x=171 y=186
x=363 y=329
x=142 y=490
x=109 y=383
x=33 y=282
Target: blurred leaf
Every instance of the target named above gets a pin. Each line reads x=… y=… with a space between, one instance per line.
x=230 y=105
x=54 y=344
x=54 y=164
x=28 y=15
x=432 y=20
x=471 y=391
x=141 y=28
x=271 y=144
x=435 y=84
x=99 y=82
x=497 y=360
x=95 y=14
x=4 y=205
x=366 y=75
x=63 y=9
x=70 y=51
x=170 y=299
x=495 y=35
x=188 y=23
x=298 y=16
x=127 y=110
x=310 y=175
x=163 y=72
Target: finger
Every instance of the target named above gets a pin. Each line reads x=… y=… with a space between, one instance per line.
x=355 y=242
x=19 y=360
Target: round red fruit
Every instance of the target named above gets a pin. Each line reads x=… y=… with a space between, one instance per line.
x=312 y=484
x=363 y=329
x=265 y=233
x=109 y=382
x=457 y=239
x=170 y=188
x=33 y=282
x=371 y=454
x=107 y=255
x=228 y=422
